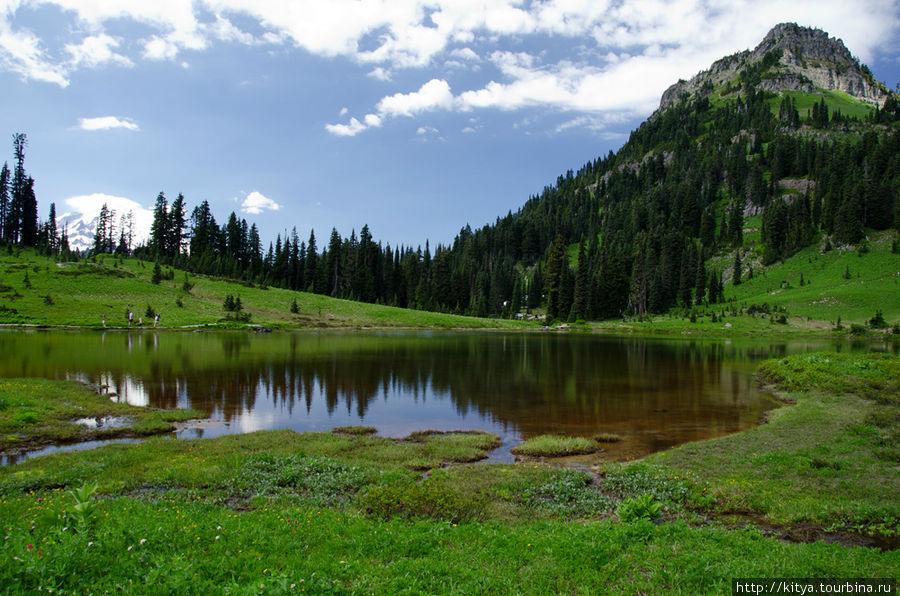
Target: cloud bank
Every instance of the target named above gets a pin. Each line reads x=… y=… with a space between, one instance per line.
x=621 y=56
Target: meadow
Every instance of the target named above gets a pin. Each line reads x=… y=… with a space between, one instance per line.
x=350 y=512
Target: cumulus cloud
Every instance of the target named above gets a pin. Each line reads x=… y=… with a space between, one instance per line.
x=433 y=95
x=107 y=123
x=255 y=203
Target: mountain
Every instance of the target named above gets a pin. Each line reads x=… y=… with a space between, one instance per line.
x=789 y=58
x=79 y=228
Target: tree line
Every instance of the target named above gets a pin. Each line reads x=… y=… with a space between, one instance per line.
x=629 y=233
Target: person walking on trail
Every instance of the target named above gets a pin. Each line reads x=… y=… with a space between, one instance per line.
x=141 y=322
x=130 y=318
x=104 y=321
x=156 y=320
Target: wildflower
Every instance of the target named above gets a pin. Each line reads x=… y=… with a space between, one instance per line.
x=90 y=544
x=30 y=546
x=130 y=547
x=217 y=537
x=143 y=540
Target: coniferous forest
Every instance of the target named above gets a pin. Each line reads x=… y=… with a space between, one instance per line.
x=628 y=234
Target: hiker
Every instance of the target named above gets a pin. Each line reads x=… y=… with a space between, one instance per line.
x=130 y=318
x=104 y=321
x=156 y=320
x=141 y=322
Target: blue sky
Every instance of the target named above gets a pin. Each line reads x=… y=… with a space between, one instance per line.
x=413 y=117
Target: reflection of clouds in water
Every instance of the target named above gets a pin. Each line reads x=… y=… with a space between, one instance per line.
x=121 y=389
x=132 y=392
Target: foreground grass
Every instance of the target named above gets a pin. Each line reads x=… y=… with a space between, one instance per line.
x=831 y=458
x=38 y=411
x=350 y=512
x=82 y=294
x=334 y=513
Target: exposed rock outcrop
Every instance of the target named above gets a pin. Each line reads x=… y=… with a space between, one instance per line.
x=808 y=59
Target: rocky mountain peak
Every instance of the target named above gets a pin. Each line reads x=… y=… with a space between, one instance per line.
x=790 y=58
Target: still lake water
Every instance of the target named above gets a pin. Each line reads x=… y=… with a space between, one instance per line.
x=655 y=393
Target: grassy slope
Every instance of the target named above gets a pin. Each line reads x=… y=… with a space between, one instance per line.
x=874 y=283
x=82 y=293
x=813 y=308
x=836 y=101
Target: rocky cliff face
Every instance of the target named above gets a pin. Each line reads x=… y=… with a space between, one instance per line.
x=807 y=59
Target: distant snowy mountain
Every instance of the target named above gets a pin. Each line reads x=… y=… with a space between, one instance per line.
x=82 y=212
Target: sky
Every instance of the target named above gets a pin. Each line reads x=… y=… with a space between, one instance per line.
x=414 y=117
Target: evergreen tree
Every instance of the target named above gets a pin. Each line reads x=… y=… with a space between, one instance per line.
x=16 y=212
x=582 y=285
x=736 y=269
x=175 y=228
x=4 y=200
x=159 y=230
x=101 y=233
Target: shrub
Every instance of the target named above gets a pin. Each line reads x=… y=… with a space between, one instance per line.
x=569 y=493
x=642 y=507
x=157 y=274
x=430 y=498
x=878 y=322
x=321 y=480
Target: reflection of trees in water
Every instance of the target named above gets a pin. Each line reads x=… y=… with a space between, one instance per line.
x=527 y=381
x=532 y=381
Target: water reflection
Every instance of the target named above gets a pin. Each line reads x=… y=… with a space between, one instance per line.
x=655 y=393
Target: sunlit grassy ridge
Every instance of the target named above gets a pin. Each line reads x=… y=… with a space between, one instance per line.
x=82 y=293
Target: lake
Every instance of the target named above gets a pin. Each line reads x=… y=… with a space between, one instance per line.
x=654 y=393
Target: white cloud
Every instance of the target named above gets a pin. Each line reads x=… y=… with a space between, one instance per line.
x=21 y=53
x=465 y=54
x=626 y=54
x=433 y=95
x=255 y=203
x=106 y=123
x=97 y=50
x=380 y=74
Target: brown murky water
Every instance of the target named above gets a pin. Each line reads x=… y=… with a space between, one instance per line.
x=653 y=393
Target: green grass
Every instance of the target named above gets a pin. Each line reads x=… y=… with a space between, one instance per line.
x=38 y=411
x=810 y=309
x=555 y=446
x=835 y=100
x=874 y=283
x=83 y=293
x=278 y=511
x=831 y=458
